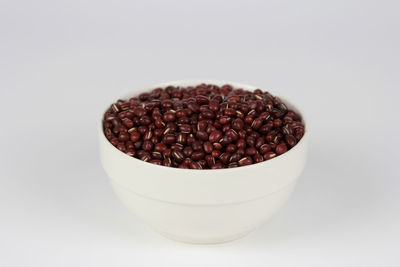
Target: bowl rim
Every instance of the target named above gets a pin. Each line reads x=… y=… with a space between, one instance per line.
x=219 y=83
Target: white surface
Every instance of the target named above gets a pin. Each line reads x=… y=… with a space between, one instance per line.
x=207 y=206
x=63 y=61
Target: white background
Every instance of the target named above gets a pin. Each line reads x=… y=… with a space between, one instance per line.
x=63 y=62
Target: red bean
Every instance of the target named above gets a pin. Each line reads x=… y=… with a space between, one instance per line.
x=208 y=147
x=197 y=146
x=241 y=143
x=176 y=146
x=160 y=147
x=181 y=138
x=224 y=157
x=197 y=155
x=178 y=155
x=185 y=128
x=230 y=112
x=139 y=111
x=277 y=123
x=265 y=148
x=195 y=165
x=202 y=135
x=281 y=148
x=231 y=148
x=215 y=153
x=269 y=155
x=215 y=136
x=214 y=105
x=235 y=157
x=226 y=140
x=169 y=139
x=187 y=151
x=258 y=158
x=245 y=161
x=257 y=124
x=237 y=124
x=123 y=136
x=131 y=152
x=290 y=140
x=210 y=161
x=135 y=136
x=251 y=151
x=224 y=120
x=202 y=100
x=204 y=126
x=169 y=116
x=232 y=134
x=147 y=145
x=259 y=142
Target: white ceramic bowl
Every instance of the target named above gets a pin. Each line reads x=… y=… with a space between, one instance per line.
x=203 y=206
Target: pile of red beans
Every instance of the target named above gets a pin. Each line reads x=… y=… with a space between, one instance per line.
x=202 y=127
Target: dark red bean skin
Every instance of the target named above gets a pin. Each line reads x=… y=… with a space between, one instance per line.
x=197 y=146
x=230 y=112
x=277 y=123
x=259 y=142
x=265 y=148
x=224 y=157
x=176 y=146
x=235 y=157
x=241 y=143
x=202 y=135
x=135 y=137
x=167 y=153
x=232 y=134
x=185 y=128
x=202 y=100
x=178 y=155
x=231 y=148
x=160 y=147
x=215 y=153
x=187 y=151
x=290 y=140
x=195 y=165
x=202 y=127
x=214 y=105
x=147 y=145
x=258 y=158
x=181 y=138
x=281 y=148
x=237 y=124
x=256 y=124
x=208 y=147
x=197 y=155
x=169 y=139
x=224 y=120
x=225 y=140
x=251 y=151
x=156 y=155
x=169 y=116
x=123 y=136
x=215 y=136
x=187 y=161
x=269 y=155
x=245 y=161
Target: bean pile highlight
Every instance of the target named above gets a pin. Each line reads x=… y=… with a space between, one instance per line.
x=203 y=126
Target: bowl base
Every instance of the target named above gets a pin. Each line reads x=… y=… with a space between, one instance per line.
x=200 y=241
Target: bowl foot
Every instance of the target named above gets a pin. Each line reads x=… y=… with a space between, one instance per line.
x=204 y=241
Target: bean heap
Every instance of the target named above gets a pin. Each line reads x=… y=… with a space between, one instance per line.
x=202 y=127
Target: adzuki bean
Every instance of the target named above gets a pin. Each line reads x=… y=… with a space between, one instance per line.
x=203 y=127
